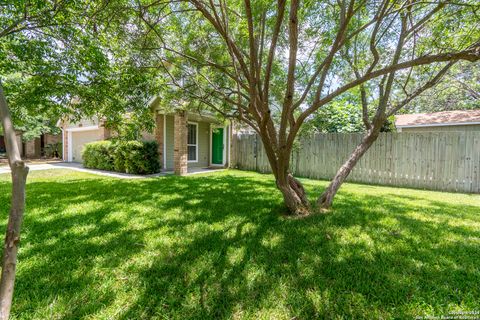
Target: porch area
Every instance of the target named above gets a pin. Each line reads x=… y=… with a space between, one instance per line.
x=190 y=143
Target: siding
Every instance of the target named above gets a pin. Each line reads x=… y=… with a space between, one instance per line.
x=84 y=122
x=203 y=145
x=464 y=128
x=147 y=136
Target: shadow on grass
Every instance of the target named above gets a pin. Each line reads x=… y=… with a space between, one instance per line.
x=217 y=246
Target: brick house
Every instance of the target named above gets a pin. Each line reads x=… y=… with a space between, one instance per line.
x=185 y=139
x=34 y=148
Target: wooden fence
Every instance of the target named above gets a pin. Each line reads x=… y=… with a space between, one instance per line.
x=447 y=161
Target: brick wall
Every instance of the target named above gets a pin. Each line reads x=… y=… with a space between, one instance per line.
x=65 y=145
x=31 y=148
x=51 y=139
x=180 y=143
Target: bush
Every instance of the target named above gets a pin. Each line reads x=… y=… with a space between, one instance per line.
x=138 y=157
x=121 y=150
x=53 y=150
x=98 y=155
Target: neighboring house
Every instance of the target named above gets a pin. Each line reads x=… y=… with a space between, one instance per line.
x=37 y=147
x=185 y=139
x=34 y=148
x=458 y=120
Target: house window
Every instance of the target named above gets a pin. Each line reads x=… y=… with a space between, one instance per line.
x=192 y=142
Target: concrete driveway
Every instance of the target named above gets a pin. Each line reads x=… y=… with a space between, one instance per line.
x=79 y=167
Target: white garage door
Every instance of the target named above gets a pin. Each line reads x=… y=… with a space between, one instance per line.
x=79 y=139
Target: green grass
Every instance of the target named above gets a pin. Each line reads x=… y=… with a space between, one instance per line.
x=218 y=246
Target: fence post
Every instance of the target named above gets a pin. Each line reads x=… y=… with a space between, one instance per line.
x=255 y=151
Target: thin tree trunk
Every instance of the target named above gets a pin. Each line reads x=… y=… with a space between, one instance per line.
x=326 y=199
x=12 y=237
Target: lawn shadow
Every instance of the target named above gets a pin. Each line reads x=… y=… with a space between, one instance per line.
x=217 y=246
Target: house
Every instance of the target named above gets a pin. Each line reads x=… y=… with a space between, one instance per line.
x=38 y=147
x=185 y=139
x=34 y=148
x=458 y=120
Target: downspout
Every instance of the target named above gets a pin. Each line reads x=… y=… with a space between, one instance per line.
x=164 y=142
x=63 y=144
x=229 y=129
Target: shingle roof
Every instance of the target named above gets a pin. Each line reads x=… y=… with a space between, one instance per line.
x=438 y=118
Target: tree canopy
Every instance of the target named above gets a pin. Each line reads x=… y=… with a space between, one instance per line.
x=275 y=65
x=58 y=60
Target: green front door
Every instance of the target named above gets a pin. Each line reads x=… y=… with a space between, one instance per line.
x=217 y=146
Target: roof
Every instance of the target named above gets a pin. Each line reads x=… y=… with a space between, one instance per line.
x=457 y=117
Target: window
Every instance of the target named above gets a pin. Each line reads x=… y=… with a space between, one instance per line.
x=192 y=142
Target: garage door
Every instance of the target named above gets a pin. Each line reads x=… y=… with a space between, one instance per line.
x=79 y=139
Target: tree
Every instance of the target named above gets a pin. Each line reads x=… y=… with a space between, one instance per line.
x=69 y=58
x=54 y=62
x=17 y=18
x=273 y=65
x=12 y=237
x=458 y=90
x=343 y=115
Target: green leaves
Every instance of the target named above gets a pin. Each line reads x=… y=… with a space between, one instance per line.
x=69 y=59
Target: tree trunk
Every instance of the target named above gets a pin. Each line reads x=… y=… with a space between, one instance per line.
x=326 y=199
x=294 y=195
x=12 y=237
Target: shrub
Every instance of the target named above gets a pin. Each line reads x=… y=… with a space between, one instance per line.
x=98 y=155
x=121 y=150
x=53 y=150
x=139 y=157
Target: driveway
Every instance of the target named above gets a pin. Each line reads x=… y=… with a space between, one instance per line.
x=79 y=167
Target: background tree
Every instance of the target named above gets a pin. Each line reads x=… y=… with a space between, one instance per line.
x=273 y=65
x=458 y=90
x=342 y=115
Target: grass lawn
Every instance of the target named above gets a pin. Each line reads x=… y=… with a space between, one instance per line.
x=217 y=246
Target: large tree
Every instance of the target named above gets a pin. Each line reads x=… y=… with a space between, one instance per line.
x=274 y=64
x=24 y=30
x=59 y=58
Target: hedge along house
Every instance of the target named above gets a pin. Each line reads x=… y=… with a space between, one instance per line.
x=186 y=140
